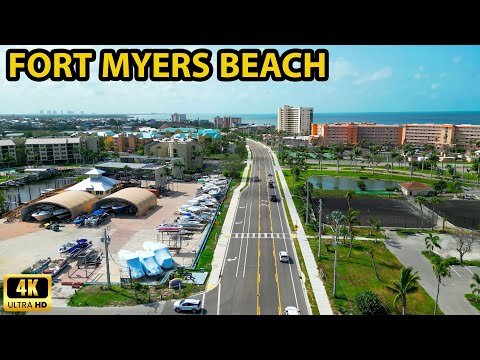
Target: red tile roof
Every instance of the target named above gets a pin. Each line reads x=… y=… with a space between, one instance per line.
x=414 y=185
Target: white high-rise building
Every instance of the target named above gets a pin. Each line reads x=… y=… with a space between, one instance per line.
x=295 y=120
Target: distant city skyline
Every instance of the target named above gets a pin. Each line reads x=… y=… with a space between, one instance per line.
x=393 y=78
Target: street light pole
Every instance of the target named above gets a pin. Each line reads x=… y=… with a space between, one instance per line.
x=320 y=229
x=106 y=240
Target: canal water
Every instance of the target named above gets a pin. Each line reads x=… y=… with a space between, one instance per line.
x=345 y=183
x=31 y=191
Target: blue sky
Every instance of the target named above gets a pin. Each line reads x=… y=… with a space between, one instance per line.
x=389 y=78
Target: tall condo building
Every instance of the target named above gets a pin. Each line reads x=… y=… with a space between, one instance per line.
x=179 y=117
x=226 y=122
x=295 y=120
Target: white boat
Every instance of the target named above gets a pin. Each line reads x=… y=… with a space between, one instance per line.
x=60 y=212
x=190 y=223
x=42 y=215
x=169 y=227
x=67 y=246
x=46 y=191
x=56 y=266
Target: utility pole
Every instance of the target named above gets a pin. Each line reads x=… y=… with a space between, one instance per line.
x=308 y=203
x=106 y=240
x=319 y=228
x=335 y=242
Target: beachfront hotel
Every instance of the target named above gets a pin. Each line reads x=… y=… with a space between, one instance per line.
x=353 y=133
x=440 y=134
x=295 y=120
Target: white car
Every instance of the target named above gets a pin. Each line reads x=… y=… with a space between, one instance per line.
x=291 y=310
x=284 y=256
x=192 y=305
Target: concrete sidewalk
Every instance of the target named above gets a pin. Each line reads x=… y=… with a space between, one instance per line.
x=224 y=238
x=318 y=288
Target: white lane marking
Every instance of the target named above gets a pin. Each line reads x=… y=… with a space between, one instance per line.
x=285 y=242
x=235 y=258
x=241 y=207
x=203 y=302
x=244 y=222
x=466 y=267
x=265 y=205
x=238 y=223
x=246 y=246
x=451 y=267
x=218 y=299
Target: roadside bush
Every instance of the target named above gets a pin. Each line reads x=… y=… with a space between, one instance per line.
x=368 y=303
x=393 y=188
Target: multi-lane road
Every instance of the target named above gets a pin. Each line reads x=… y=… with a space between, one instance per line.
x=253 y=280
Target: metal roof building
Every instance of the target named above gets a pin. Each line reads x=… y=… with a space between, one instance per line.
x=142 y=199
x=74 y=201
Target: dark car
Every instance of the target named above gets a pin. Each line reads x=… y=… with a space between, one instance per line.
x=270 y=185
x=273 y=197
x=256 y=179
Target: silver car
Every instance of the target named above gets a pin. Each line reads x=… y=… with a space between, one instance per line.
x=192 y=305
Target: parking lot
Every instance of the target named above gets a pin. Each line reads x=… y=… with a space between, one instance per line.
x=453 y=289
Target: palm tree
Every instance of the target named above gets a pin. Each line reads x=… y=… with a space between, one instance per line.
x=406 y=284
x=356 y=152
x=350 y=195
x=475 y=286
x=394 y=155
x=375 y=226
x=431 y=242
x=319 y=151
x=8 y=159
x=420 y=200
x=351 y=218
x=338 y=152
x=441 y=269
x=408 y=151
x=180 y=164
x=435 y=200
x=374 y=150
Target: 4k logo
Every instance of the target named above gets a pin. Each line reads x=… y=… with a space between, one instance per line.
x=27 y=292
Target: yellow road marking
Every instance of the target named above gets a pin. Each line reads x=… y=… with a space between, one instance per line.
x=274 y=251
x=258 y=240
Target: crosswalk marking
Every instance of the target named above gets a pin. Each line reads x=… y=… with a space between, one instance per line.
x=260 y=235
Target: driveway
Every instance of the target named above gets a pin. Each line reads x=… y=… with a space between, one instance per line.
x=451 y=300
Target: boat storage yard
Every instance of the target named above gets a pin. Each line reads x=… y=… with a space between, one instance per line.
x=22 y=244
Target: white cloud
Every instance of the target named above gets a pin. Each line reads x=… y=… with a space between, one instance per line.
x=443 y=75
x=417 y=76
x=381 y=74
x=457 y=59
x=341 y=68
x=420 y=68
x=435 y=86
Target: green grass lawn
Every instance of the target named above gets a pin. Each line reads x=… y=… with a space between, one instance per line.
x=356 y=274
x=451 y=260
x=471 y=299
x=205 y=260
x=99 y=296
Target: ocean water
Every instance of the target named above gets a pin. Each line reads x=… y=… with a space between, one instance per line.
x=457 y=118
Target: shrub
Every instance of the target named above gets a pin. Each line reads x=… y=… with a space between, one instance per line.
x=393 y=188
x=368 y=303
